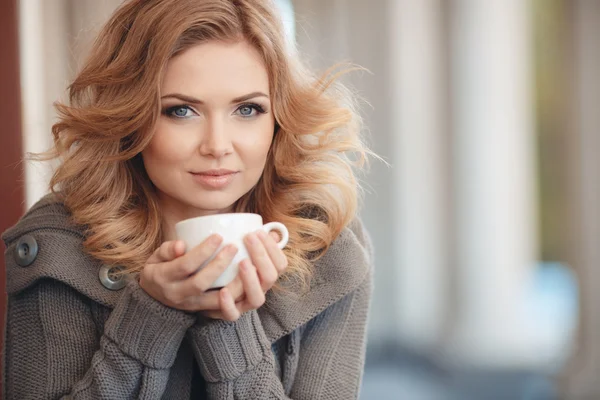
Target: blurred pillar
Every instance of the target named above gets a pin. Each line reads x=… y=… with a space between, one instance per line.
x=494 y=166
x=420 y=144
x=329 y=32
x=405 y=210
x=55 y=37
x=44 y=67
x=582 y=375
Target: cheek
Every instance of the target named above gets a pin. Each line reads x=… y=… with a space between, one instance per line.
x=168 y=146
x=254 y=148
x=260 y=150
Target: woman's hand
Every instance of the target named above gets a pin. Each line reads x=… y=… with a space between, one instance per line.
x=171 y=276
x=256 y=277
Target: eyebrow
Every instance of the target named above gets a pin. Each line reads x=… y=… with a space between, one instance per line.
x=193 y=100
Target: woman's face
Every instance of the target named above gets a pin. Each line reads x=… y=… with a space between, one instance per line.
x=215 y=130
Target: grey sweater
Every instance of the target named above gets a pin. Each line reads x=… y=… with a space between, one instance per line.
x=69 y=336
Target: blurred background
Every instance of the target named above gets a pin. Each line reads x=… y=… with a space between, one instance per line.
x=485 y=222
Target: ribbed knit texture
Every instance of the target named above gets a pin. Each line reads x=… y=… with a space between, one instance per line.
x=67 y=336
x=226 y=350
x=147 y=330
x=238 y=364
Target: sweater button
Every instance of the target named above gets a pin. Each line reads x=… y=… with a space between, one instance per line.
x=26 y=250
x=110 y=279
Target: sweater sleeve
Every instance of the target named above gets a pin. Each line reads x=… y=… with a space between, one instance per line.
x=236 y=359
x=54 y=350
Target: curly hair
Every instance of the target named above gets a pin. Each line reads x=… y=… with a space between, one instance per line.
x=310 y=179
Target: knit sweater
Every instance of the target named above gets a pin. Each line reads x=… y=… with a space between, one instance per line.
x=69 y=336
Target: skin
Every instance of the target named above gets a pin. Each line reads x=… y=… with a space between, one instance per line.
x=217 y=114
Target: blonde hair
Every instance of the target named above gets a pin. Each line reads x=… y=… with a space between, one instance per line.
x=309 y=181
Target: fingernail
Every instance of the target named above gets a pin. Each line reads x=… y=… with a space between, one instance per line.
x=262 y=234
x=180 y=246
x=244 y=266
x=231 y=249
x=215 y=239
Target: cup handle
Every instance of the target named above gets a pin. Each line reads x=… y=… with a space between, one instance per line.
x=278 y=226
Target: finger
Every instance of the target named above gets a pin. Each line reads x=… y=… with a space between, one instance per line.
x=228 y=307
x=189 y=263
x=208 y=301
x=213 y=314
x=277 y=256
x=236 y=288
x=275 y=236
x=201 y=281
x=217 y=314
x=167 y=252
x=261 y=260
x=255 y=297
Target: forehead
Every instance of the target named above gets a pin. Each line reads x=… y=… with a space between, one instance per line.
x=216 y=70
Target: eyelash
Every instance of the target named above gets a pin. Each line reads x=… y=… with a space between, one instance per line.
x=259 y=109
x=170 y=110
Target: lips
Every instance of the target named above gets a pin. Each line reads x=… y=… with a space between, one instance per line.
x=214 y=179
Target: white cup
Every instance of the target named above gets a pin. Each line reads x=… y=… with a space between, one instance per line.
x=233 y=228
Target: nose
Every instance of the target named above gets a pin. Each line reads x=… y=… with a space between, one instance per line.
x=215 y=140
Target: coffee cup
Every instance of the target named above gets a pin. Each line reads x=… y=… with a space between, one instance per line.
x=233 y=228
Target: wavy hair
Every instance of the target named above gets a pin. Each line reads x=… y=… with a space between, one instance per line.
x=309 y=182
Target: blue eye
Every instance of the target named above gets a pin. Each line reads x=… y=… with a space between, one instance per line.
x=250 y=110
x=246 y=111
x=179 y=112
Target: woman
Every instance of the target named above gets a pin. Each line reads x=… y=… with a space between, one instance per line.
x=189 y=108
